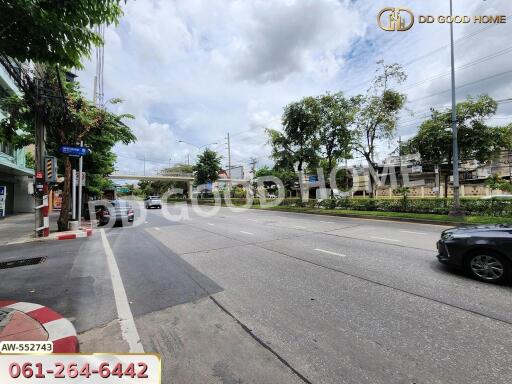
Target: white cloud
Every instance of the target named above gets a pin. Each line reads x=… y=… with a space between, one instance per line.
x=194 y=70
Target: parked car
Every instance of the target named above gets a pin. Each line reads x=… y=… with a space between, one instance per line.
x=484 y=252
x=153 y=201
x=120 y=211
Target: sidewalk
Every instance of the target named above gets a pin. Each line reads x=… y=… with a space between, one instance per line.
x=19 y=228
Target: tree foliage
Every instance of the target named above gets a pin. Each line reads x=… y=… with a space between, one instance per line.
x=54 y=32
x=477 y=140
x=69 y=121
x=377 y=112
x=207 y=167
x=337 y=114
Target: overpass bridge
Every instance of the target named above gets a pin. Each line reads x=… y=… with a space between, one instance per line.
x=186 y=177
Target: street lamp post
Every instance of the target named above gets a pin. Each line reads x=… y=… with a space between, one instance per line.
x=455 y=160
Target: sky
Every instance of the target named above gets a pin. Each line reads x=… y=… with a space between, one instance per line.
x=196 y=70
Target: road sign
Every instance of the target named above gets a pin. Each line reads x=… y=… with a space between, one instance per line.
x=83 y=178
x=51 y=169
x=39 y=175
x=74 y=151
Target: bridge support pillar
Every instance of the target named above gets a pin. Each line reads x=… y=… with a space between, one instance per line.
x=189 y=188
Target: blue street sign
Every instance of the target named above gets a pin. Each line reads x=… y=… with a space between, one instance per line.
x=74 y=151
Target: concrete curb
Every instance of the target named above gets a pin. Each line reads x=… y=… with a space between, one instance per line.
x=59 y=329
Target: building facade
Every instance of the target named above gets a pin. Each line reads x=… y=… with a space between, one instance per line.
x=15 y=176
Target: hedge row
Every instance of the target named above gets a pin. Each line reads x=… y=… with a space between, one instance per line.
x=442 y=206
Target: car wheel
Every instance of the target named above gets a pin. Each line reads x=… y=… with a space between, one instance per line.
x=488 y=266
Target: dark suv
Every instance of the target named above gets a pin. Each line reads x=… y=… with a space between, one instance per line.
x=485 y=252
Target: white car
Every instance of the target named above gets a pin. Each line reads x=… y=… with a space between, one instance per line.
x=153 y=201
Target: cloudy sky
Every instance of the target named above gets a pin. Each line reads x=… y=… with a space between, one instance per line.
x=194 y=70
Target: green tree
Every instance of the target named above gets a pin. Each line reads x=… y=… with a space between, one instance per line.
x=79 y=120
x=299 y=141
x=496 y=183
x=377 y=113
x=336 y=116
x=207 y=167
x=53 y=32
x=477 y=141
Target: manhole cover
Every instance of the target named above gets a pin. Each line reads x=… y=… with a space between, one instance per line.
x=23 y=262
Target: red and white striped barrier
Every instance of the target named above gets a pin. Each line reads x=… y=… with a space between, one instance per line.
x=59 y=329
x=74 y=235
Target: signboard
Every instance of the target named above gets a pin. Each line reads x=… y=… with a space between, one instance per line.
x=57 y=200
x=417 y=169
x=3 y=198
x=74 y=151
x=313 y=179
x=77 y=179
x=39 y=175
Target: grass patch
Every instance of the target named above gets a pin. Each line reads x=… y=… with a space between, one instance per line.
x=397 y=215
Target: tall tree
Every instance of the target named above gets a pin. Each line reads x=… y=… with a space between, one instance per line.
x=336 y=117
x=207 y=167
x=79 y=120
x=477 y=141
x=53 y=32
x=299 y=141
x=378 y=112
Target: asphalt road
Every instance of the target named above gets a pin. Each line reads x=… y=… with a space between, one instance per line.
x=234 y=295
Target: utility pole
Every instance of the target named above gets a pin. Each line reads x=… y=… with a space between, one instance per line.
x=41 y=190
x=229 y=157
x=252 y=163
x=456 y=196
x=400 y=159
x=144 y=164
x=80 y=170
x=188 y=158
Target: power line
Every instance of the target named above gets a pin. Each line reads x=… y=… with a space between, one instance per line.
x=430 y=53
x=461 y=86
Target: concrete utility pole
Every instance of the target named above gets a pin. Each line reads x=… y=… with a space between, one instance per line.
x=455 y=160
x=41 y=190
x=229 y=157
x=80 y=170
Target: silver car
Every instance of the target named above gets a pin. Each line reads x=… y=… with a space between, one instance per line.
x=153 y=202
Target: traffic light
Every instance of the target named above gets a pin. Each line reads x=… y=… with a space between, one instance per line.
x=50 y=172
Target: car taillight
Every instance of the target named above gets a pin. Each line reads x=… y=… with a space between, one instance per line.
x=130 y=211
x=106 y=212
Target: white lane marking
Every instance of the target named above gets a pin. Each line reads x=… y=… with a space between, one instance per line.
x=326 y=222
x=128 y=329
x=252 y=220
x=299 y=227
x=414 y=233
x=145 y=222
x=211 y=224
x=330 y=252
x=157 y=228
x=246 y=233
x=385 y=238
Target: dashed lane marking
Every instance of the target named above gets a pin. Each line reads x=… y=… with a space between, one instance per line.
x=330 y=252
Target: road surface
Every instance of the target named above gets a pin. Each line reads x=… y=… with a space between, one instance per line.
x=252 y=296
